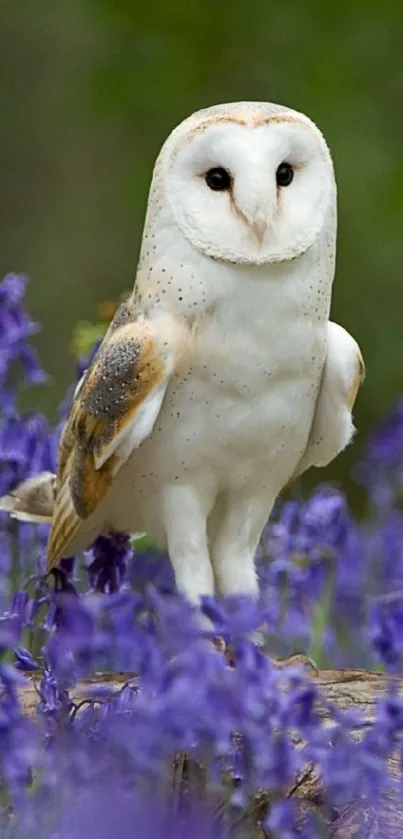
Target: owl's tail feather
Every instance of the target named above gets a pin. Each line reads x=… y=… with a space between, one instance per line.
x=32 y=500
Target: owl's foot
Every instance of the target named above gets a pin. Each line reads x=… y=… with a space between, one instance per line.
x=297 y=658
x=289 y=661
x=225 y=649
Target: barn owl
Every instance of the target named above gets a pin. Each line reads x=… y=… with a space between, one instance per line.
x=220 y=379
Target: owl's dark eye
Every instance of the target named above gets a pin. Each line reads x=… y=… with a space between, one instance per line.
x=218 y=179
x=284 y=174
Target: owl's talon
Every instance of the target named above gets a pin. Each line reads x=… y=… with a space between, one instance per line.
x=297 y=658
x=219 y=644
x=225 y=649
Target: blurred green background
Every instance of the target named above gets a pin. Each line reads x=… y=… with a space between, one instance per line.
x=89 y=91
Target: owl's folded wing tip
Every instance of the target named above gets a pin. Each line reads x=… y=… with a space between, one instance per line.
x=32 y=500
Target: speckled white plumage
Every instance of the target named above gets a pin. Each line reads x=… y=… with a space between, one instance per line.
x=263 y=386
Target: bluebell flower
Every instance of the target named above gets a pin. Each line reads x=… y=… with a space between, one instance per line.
x=313 y=563
x=25 y=660
x=150 y=566
x=385 y=446
x=18 y=739
x=381 y=470
x=281 y=821
x=25 y=442
x=15 y=330
x=108 y=562
x=386 y=629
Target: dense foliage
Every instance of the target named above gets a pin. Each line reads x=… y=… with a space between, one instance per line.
x=105 y=763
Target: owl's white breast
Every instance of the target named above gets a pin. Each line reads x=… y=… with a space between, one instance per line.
x=251 y=379
x=239 y=410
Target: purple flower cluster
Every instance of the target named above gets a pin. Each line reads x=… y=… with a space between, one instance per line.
x=27 y=445
x=314 y=566
x=382 y=471
x=15 y=330
x=330 y=585
x=118 y=744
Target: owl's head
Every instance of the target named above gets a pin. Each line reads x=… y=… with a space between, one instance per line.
x=246 y=182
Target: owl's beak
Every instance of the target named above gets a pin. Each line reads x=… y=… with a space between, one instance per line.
x=259 y=229
x=254 y=203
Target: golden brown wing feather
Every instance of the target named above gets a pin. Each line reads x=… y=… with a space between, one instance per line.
x=133 y=360
x=358 y=380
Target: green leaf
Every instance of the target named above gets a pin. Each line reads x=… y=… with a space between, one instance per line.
x=319 y=623
x=145 y=543
x=84 y=336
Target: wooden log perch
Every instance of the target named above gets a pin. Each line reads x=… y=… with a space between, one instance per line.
x=346 y=689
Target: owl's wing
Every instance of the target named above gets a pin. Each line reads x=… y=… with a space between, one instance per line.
x=332 y=428
x=114 y=409
x=32 y=500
